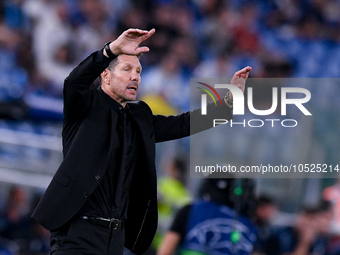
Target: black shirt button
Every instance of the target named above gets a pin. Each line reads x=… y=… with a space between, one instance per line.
x=85 y=195
x=97 y=177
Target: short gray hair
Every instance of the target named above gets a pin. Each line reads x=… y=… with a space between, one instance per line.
x=114 y=62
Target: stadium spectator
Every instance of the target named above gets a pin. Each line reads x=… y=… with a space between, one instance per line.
x=266 y=209
x=218 y=224
x=307 y=236
x=15 y=218
x=53 y=55
x=172 y=195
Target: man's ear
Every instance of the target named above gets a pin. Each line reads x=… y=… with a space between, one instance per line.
x=105 y=75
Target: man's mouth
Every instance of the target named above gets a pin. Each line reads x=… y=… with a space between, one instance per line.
x=132 y=87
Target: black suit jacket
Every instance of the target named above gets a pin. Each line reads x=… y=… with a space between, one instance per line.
x=89 y=135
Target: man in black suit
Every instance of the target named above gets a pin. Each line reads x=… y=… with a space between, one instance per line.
x=103 y=195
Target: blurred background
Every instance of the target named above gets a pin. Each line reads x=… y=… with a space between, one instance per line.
x=41 y=41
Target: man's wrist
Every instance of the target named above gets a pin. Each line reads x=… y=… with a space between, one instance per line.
x=228 y=99
x=108 y=52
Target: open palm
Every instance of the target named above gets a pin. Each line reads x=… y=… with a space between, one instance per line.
x=128 y=42
x=240 y=77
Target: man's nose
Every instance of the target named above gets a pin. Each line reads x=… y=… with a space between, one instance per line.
x=135 y=77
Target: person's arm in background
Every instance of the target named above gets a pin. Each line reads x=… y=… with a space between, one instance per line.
x=302 y=236
x=302 y=247
x=170 y=243
x=307 y=236
x=173 y=238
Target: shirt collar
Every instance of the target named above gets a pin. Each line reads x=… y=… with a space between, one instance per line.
x=114 y=104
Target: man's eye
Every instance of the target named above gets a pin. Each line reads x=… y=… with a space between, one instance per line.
x=126 y=69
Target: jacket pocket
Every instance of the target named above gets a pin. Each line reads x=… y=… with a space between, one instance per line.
x=61 y=178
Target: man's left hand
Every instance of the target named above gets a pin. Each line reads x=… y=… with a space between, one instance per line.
x=240 y=77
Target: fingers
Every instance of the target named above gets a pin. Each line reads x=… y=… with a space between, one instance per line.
x=142 y=50
x=149 y=34
x=129 y=41
x=146 y=35
x=137 y=31
x=247 y=69
x=143 y=34
x=240 y=77
x=244 y=73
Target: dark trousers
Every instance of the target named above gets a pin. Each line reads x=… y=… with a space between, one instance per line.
x=82 y=237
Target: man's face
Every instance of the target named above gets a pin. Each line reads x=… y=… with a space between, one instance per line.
x=266 y=212
x=123 y=81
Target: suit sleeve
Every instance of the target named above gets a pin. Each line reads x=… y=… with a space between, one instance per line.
x=189 y=123
x=78 y=86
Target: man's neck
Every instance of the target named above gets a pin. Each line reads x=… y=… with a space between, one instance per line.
x=110 y=94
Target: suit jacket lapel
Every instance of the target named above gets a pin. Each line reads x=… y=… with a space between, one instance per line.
x=114 y=118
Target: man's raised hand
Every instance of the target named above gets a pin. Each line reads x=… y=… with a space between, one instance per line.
x=240 y=77
x=128 y=42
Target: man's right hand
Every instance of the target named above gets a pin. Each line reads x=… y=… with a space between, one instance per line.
x=128 y=42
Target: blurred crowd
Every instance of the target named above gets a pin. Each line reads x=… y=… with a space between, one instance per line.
x=309 y=230
x=19 y=234
x=41 y=41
